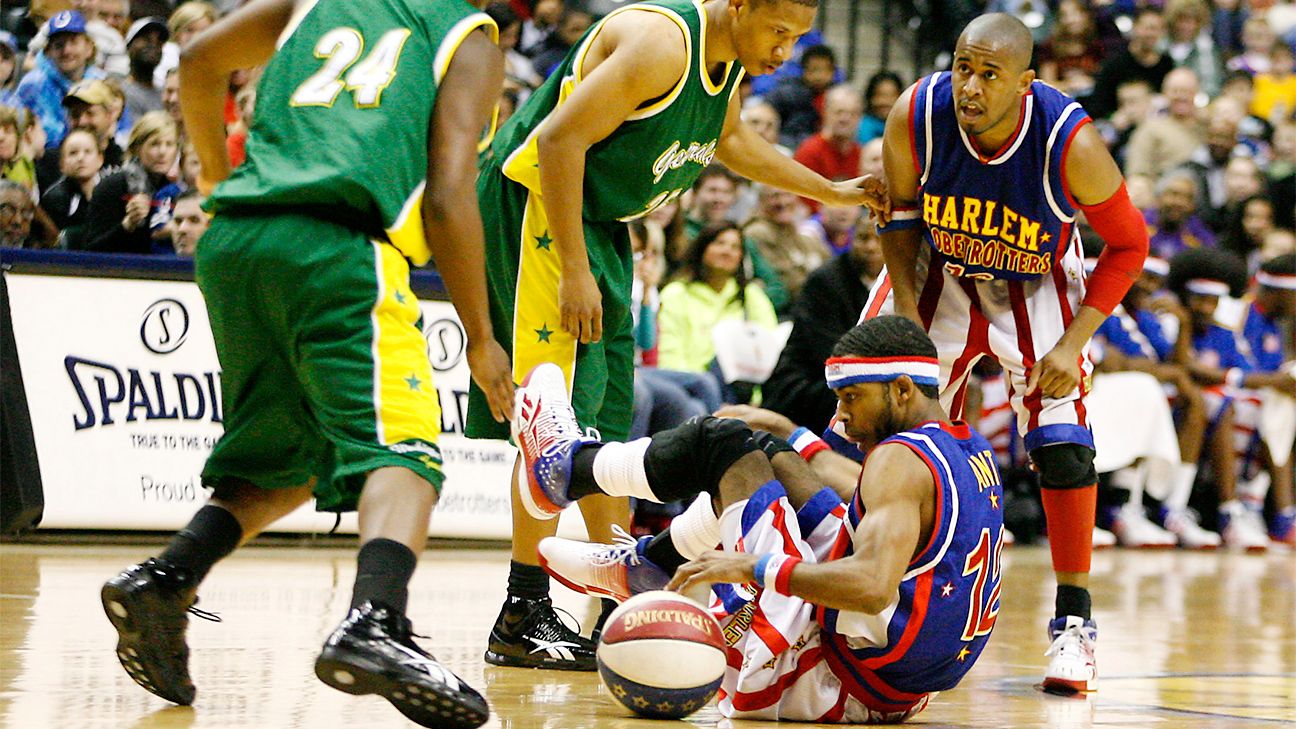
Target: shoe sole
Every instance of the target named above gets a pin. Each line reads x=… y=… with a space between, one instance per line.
x=533 y=498
x=1066 y=687
x=427 y=705
x=507 y=661
x=121 y=607
x=577 y=587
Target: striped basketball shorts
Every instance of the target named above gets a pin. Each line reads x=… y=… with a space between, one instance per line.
x=1013 y=322
x=779 y=663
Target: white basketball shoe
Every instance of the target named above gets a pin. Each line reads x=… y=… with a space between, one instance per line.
x=1071 y=667
x=616 y=570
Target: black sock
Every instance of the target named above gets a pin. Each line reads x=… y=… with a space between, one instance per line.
x=582 y=478
x=209 y=537
x=383 y=571
x=526 y=581
x=1072 y=600
x=661 y=551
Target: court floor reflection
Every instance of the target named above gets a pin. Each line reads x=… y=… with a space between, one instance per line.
x=1186 y=640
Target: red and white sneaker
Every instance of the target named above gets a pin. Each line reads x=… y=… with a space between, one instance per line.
x=1071 y=667
x=545 y=430
x=618 y=570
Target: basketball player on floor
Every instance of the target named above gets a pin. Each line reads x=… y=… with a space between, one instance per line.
x=989 y=168
x=640 y=106
x=327 y=388
x=848 y=603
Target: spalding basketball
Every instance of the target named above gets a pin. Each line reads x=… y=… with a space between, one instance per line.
x=661 y=655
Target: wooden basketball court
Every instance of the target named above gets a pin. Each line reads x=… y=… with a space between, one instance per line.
x=1186 y=640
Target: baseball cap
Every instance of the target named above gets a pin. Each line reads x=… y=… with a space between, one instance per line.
x=68 y=21
x=90 y=91
x=139 y=26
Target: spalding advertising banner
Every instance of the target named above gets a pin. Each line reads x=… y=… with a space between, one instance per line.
x=124 y=389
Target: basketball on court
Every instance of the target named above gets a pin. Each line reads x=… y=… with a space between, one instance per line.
x=661 y=655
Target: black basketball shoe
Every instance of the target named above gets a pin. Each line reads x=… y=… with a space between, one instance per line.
x=373 y=652
x=529 y=634
x=148 y=604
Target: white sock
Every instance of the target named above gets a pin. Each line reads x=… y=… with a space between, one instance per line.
x=1253 y=492
x=697 y=530
x=1181 y=490
x=1130 y=479
x=619 y=470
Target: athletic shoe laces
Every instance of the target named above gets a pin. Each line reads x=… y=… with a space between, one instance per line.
x=1071 y=640
x=623 y=550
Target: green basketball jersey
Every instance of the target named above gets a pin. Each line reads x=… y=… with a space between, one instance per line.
x=657 y=153
x=342 y=115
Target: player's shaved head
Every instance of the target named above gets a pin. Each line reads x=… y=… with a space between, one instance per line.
x=1010 y=38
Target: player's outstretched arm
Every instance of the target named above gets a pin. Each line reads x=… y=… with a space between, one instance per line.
x=749 y=154
x=1096 y=184
x=636 y=56
x=451 y=220
x=243 y=39
x=902 y=238
x=898 y=489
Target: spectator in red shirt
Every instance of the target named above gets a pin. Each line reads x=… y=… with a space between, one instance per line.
x=834 y=151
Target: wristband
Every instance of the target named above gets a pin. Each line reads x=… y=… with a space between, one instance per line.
x=807 y=444
x=1233 y=377
x=775 y=568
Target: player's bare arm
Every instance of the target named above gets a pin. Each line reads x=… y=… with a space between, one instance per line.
x=900 y=246
x=1094 y=180
x=898 y=490
x=636 y=57
x=243 y=39
x=451 y=220
x=747 y=153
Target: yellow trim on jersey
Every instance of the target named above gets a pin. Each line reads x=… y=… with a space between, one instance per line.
x=455 y=38
x=538 y=335
x=406 y=406
x=707 y=86
x=406 y=232
x=523 y=164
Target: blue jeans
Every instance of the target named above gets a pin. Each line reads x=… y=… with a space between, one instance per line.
x=665 y=398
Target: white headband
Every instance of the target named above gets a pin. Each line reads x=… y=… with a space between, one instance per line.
x=1207 y=287
x=1159 y=266
x=843 y=371
x=1285 y=281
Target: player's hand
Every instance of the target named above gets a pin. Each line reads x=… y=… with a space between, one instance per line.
x=493 y=373
x=713 y=568
x=581 y=306
x=1056 y=374
x=868 y=191
x=759 y=419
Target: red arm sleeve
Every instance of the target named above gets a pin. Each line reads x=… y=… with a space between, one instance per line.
x=1124 y=232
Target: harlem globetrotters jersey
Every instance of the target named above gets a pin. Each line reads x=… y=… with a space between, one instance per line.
x=949 y=597
x=1007 y=216
x=657 y=153
x=342 y=115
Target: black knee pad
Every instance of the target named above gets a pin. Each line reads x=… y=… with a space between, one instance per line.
x=692 y=457
x=771 y=444
x=1065 y=466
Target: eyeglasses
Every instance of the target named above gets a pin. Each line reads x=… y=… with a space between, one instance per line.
x=10 y=210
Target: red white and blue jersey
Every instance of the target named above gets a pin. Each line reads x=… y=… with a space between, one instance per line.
x=1136 y=335
x=1006 y=216
x=949 y=597
x=1217 y=347
x=1264 y=340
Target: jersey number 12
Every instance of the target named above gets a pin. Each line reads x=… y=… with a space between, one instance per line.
x=365 y=80
x=984 y=608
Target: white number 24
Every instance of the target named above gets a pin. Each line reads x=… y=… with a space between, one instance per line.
x=365 y=80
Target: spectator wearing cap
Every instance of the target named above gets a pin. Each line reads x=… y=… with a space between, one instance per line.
x=9 y=70
x=102 y=21
x=89 y=107
x=144 y=43
x=66 y=60
x=188 y=20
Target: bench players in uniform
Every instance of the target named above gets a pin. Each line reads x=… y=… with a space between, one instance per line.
x=851 y=603
x=987 y=170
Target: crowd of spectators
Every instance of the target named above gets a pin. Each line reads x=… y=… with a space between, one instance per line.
x=1197 y=100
